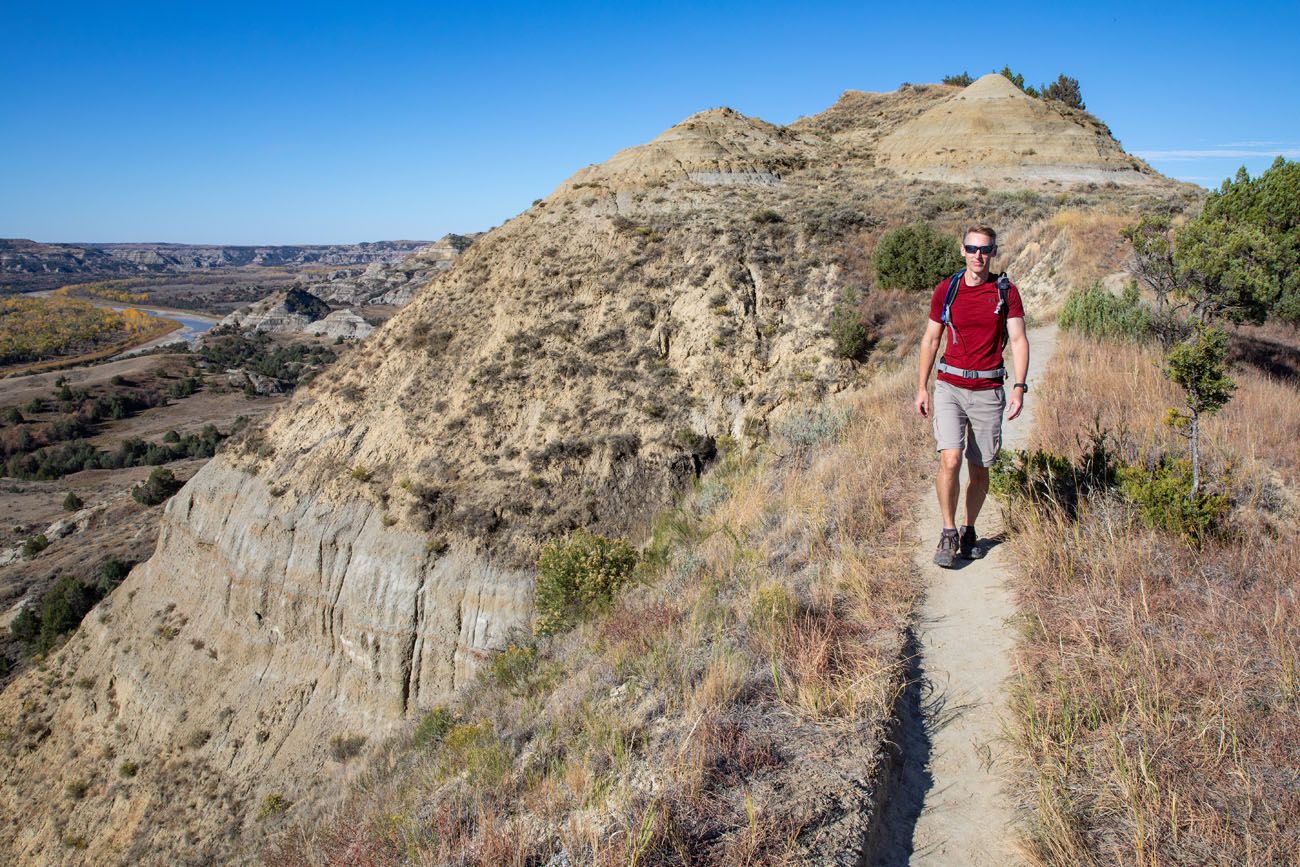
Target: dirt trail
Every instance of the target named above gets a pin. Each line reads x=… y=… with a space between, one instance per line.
x=951 y=808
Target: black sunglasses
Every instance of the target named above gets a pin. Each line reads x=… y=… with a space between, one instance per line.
x=986 y=249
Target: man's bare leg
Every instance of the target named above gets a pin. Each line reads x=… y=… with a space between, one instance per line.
x=946 y=485
x=977 y=488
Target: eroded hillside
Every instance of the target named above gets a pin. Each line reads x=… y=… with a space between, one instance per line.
x=358 y=558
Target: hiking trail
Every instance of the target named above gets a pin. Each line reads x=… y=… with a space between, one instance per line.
x=951 y=807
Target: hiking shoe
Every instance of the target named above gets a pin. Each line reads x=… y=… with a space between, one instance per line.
x=946 y=554
x=971 y=546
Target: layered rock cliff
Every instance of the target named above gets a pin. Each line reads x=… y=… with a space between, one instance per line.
x=28 y=265
x=357 y=558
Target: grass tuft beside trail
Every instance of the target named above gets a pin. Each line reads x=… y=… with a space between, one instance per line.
x=1157 y=710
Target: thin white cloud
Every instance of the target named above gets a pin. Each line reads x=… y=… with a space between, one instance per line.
x=1254 y=144
x=1290 y=152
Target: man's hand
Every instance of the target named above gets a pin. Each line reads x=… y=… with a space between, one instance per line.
x=1015 y=400
x=922 y=402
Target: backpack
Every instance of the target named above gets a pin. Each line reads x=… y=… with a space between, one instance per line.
x=1003 y=284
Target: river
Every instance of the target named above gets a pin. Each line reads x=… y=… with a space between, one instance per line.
x=191 y=324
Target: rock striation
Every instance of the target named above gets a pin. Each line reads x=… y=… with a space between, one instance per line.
x=341 y=325
x=992 y=130
x=356 y=559
x=393 y=283
x=281 y=313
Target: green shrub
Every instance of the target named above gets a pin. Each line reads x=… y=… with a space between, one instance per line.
x=1102 y=315
x=579 y=575
x=1043 y=477
x=344 y=747
x=1035 y=476
x=34 y=545
x=1163 y=496
x=433 y=728
x=475 y=750
x=127 y=770
x=61 y=610
x=512 y=667
x=72 y=502
x=159 y=487
x=767 y=215
x=112 y=572
x=962 y=80
x=272 y=805
x=77 y=789
x=26 y=625
x=813 y=427
x=848 y=331
x=914 y=257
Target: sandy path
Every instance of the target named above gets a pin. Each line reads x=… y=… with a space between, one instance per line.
x=951 y=808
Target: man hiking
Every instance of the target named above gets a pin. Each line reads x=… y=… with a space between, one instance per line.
x=981 y=314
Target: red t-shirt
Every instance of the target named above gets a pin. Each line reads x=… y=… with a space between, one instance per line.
x=974 y=331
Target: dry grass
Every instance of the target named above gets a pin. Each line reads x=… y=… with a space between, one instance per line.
x=1158 y=705
x=674 y=728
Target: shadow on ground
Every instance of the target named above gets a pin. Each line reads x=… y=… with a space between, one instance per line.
x=898 y=822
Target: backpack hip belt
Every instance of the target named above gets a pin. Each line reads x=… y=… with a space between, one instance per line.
x=1000 y=373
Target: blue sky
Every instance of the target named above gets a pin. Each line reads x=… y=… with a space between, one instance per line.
x=321 y=123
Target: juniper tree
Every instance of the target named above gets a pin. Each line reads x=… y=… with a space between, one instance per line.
x=1064 y=89
x=1198 y=365
x=1240 y=257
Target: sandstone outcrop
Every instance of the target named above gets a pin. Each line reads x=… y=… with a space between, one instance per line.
x=341 y=325
x=355 y=560
x=394 y=283
x=993 y=131
x=282 y=313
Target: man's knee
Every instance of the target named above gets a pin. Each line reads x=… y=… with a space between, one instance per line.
x=950 y=460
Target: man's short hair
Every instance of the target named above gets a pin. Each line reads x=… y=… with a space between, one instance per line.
x=981 y=230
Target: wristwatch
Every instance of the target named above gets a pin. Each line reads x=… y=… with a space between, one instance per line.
x=1023 y=386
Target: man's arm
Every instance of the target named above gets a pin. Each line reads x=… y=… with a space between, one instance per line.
x=929 y=349
x=1019 y=343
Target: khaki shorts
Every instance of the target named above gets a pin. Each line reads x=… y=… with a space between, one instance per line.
x=968 y=419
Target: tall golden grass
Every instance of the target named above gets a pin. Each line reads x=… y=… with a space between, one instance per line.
x=1158 y=701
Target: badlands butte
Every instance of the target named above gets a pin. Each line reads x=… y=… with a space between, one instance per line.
x=357 y=558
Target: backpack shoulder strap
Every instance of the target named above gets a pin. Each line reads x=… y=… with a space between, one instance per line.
x=946 y=316
x=1004 y=287
x=953 y=283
